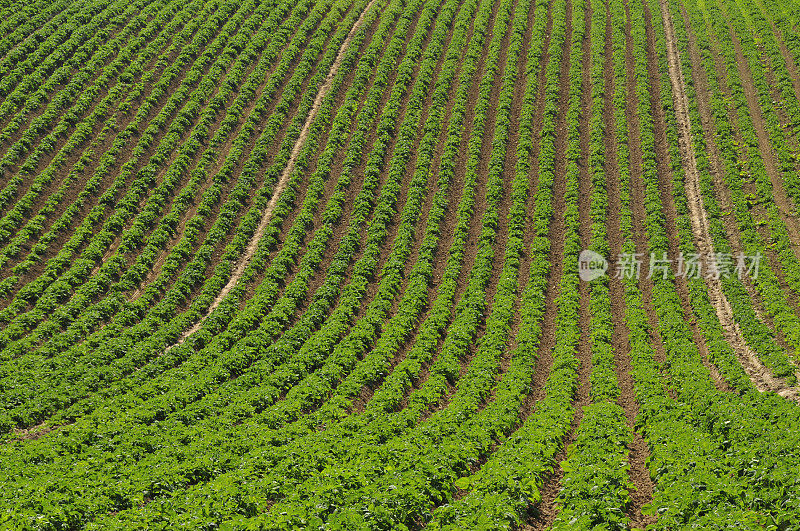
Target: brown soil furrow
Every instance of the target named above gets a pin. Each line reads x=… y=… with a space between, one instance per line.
x=411 y=165
x=471 y=248
x=510 y=168
x=458 y=182
x=759 y=375
x=504 y=203
x=637 y=198
x=779 y=106
x=447 y=234
x=433 y=178
x=48 y=96
x=638 y=448
x=231 y=181
x=781 y=198
x=98 y=145
x=504 y=207
x=358 y=172
x=223 y=152
x=55 y=90
x=130 y=257
x=482 y=205
x=151 y=150
x=329 y=188
x=35 y=33
x=190 y=213
x=544 y=361
x=421 y=223
x=717 y=171
x=44 y=161
x=187 y=173
x=102 y=147
x=36 y=270
x=667 y=200
x=547 y=509
x=446 y=226
x=788 y=59
x=272 y=152
x=758 y=211
x=163 y=169
x=284 y=178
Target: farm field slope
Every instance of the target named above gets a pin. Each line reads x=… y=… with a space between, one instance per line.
x=399 y=264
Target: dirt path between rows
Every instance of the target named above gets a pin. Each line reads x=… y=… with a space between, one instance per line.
x=484 y=202
x=723 y=192
x=283 y=181
x=548 y=320
x=447 y=225
x=785 y=204
x=665 y=190
x=475 y=188
x=758 y=373
x=544 y=513
x=638 y=448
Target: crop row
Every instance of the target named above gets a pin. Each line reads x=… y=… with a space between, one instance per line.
x=701 y=447
x=772 y=297
x=105 y=163
x=222 y=171
x=260 y=455
x=83 y=326
x=762 y=55
x=195 y=275
x=376 y=229
x=208 y=165
x=47 y=295
x=25 y=207
x=405 y=460
x=596 y=484
x=25 y=26
x=28 y=150
x=774 y=300
x=503 y=489
x=343 y=118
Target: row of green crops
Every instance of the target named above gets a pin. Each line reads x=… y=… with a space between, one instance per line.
x=62 y=349
x=715 y=445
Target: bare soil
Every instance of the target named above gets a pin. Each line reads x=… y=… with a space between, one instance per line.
x=223 y=153
x=446 y=231
x=667 y=200
x=284 y=179
x=286 y=225
x=543 y=514
x=782 y=200
x=637 y=198
x=272 y=153
x=482 y=204
x=639 y=450
x=99 y=146
x=509 y=166
x=458 y=183
x=759 y=375
x=553 y=288
x=700 y=80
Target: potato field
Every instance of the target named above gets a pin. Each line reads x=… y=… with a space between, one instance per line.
x=399 y=264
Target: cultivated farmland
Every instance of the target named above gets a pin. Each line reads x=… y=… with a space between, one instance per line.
x=400 y=264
